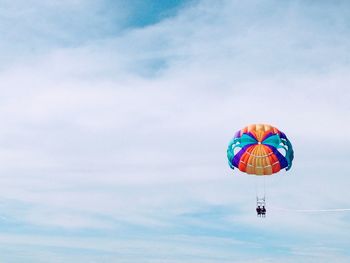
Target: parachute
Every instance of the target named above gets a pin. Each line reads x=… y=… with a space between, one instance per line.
x=260 y=149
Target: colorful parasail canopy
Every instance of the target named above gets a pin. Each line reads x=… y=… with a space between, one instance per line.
x=260 y=149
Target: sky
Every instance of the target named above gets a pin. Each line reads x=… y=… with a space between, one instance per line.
x=116 y=116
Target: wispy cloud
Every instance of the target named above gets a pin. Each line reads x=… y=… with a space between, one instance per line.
x=117 y=130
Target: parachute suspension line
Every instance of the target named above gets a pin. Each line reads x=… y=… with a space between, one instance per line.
x=264 y=196
x=256 y=191
x=264 y=189
x=260 y=191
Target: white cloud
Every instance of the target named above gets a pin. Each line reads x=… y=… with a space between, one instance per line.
x=134 y=128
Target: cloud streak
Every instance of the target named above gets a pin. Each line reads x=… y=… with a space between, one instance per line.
x=120 y=134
